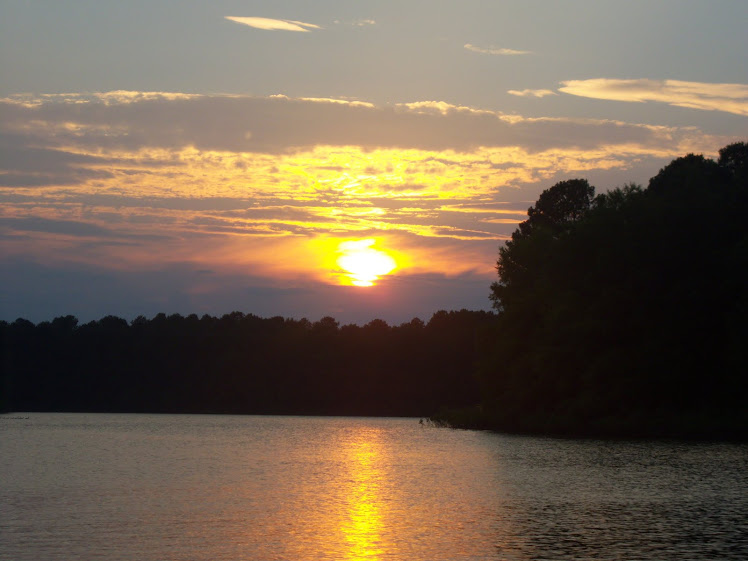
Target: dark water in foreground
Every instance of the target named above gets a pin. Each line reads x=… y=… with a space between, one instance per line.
x=148 y=487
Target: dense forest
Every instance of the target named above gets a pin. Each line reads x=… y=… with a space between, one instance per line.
x=618 y=314
x=241 y=364
x=627 y=312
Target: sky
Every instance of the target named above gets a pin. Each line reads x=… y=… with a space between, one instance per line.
x=356 y=159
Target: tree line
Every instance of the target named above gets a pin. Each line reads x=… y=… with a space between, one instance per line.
x=241 y=363
x=624 y=313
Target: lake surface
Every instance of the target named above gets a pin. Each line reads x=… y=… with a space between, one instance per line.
x=192 y=487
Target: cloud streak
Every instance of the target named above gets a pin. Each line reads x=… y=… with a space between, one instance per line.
x=730 y=98
x=356 y=23
x=494 y=50
x=269 y=24
x=531 y=93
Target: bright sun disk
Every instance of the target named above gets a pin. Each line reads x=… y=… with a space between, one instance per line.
x=364 y=264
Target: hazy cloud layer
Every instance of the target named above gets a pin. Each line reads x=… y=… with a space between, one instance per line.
x=269 y=24
x=92 y=292
x=279 y=124
x=731 y=98
x=269 y=186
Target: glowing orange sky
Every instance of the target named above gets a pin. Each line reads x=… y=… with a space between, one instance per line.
x=129 y=184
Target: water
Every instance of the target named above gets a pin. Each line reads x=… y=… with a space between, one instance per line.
x=153 y=487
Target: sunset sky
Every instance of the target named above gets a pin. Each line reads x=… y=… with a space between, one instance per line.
x=358 y=159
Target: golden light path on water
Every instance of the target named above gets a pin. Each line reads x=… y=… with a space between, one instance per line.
x=362 y=527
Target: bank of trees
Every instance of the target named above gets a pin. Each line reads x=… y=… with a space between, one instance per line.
x=626 y=312
x=241 y=363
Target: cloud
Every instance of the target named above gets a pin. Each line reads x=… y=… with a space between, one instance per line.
x=495 y=50
x=23 y=164
x=730 y=98
x=64 y=227
x=443 y=108
x=279 y=124
x=348 y=102
x=115 y=97
x=356 y=23
x=235 y=184
x=274 y=24
x=531 y=93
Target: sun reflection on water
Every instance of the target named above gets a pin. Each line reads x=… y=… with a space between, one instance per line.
x=363 y=523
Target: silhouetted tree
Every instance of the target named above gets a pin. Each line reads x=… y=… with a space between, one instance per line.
x=557 y=207
x=621 y=313
x=521 y=258
x=734 y=159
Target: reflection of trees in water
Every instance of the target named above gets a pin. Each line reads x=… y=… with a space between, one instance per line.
x=622 y=500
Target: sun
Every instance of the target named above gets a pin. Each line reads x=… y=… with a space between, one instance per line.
x=364 y=264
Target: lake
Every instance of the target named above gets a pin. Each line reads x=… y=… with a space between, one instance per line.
x=202 y=487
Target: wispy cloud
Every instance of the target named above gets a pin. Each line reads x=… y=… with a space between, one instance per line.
x=730 y=98
x=531 y=93
x=348 y=102
x=115 y=97
x=491 y=50
x=274 y=24
x=442 y=108
x=356 y=23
